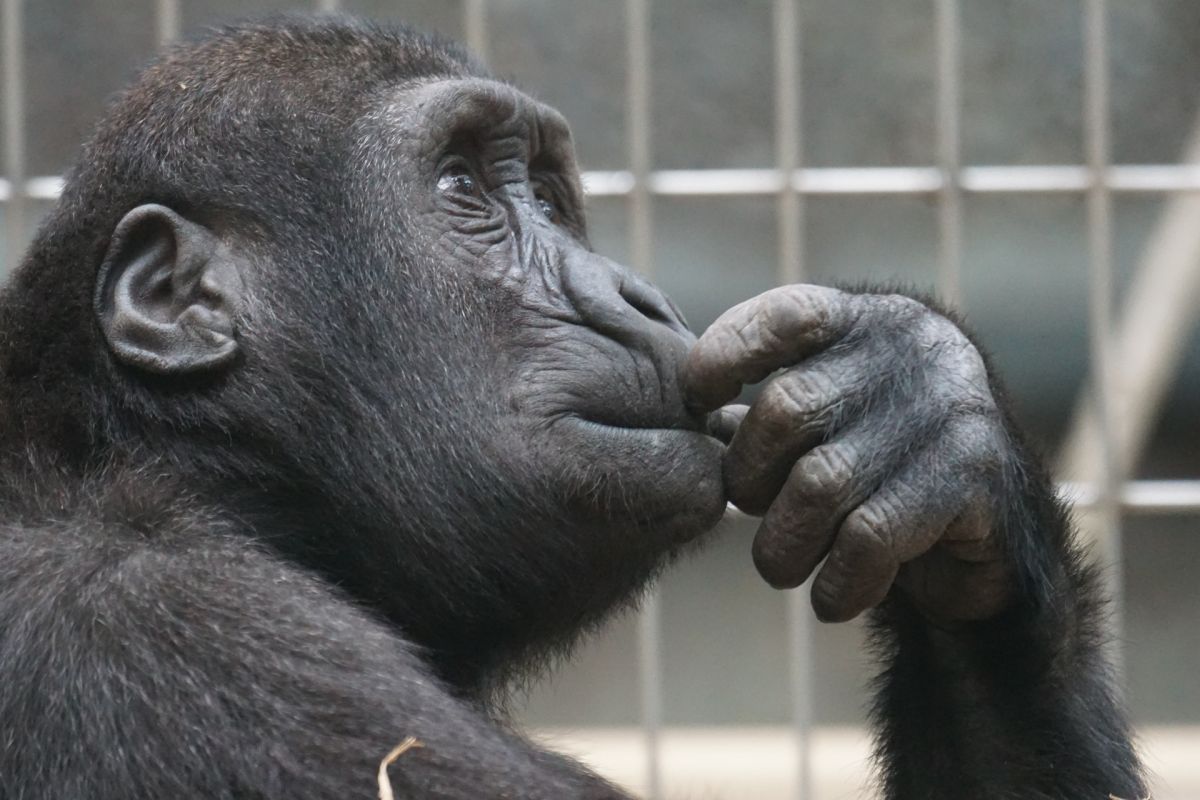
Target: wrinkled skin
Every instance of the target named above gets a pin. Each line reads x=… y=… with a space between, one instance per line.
x=322 y=421
x=878 y=449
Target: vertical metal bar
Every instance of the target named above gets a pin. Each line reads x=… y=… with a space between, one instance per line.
x=641 y=233
x=650 y=677
x=14 y=134
x=1106 y=519
x=166 y=21
x=475 y=27
x=638 y=134
x=949 y=147
x=790 y=269
x=788 y=140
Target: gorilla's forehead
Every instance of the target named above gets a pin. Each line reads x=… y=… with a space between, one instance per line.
x=426 y=115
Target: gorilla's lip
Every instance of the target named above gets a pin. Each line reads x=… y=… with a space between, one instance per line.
x=661 y=422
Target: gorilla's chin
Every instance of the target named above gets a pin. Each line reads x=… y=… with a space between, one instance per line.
x=662 y=479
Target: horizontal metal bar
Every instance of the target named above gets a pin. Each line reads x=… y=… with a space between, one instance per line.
x=868 y=180
x=1141 y=497
x=47 y=187
x=1026 y=179
x=1143 y=178
x=1136 y=497
x=899 y=180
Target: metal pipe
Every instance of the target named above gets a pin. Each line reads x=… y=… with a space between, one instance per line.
x=1136 y=497
x=641 y=232
x=12 y=66
x=166 y=21
x=850 y=181
x=790 y=269
x=475 y=27
x=1104 y=524
x=949 y=113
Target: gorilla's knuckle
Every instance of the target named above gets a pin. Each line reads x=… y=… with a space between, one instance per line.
x=798 y=395
x=825 y=472
x=869 y=527
x=811 y=306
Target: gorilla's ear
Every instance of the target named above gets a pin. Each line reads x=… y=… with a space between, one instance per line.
x=167 y=294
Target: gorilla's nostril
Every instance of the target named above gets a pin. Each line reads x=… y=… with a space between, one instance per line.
x=649 y=303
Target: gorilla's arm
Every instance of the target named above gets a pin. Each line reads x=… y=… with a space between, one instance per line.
x=882 y=461
x=188 y=664
x=1020 y=705
x=1017 y=706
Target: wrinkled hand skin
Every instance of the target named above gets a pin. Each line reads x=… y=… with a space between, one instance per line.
x=877 y=448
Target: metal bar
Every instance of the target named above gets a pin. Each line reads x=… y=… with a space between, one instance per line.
x=871 y=181
x=475 y=27
x=1140 y=497
x=638 y=134
x=790 y=269
x=641 y=230
x=1136 y=497
x=649 y=637
x=14 y=134
x=1105 y=521
x=1032 y=180
x=166 y=21
x=949 y=113
x=788 y=145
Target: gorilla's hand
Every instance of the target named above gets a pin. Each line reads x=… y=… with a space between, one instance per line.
x=878 y=448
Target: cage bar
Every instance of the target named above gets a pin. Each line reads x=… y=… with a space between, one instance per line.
x=790 y=269
x=638 y=134
x=475 y=27
x=949 y=125
x=1104 y=524
x=1139 y=497
x=14 y=133
x=864 y=181
x=166 y=21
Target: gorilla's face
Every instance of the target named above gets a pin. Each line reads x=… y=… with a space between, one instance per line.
x=416 y=365
x=579 y=355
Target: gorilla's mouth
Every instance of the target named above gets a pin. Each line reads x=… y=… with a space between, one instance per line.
x=655 y=420
x=663 y=476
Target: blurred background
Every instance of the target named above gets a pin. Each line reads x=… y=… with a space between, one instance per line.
x=953 y=147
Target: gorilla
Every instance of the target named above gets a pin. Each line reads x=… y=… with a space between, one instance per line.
x=322 y=423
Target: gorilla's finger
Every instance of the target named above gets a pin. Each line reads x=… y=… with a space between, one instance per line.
x=799 y=527
x=723 y=423
x=792 y=415
x=907 y=516
x=750 y=341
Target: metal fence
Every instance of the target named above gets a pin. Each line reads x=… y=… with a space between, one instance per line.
x=1104 y=492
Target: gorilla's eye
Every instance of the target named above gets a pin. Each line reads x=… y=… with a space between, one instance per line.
x=547 y=204
x=456 y=179
x=548 y=208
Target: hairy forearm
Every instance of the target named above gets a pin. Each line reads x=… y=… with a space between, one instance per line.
x=1021 y=705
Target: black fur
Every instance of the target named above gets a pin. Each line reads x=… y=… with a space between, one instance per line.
x=430 y=464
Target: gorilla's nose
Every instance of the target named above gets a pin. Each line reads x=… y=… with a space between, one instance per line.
x=614 y=300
